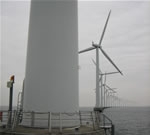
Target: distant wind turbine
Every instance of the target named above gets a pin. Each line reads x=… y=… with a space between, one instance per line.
x=110 y=94
x=97 y=47
x=101 y=80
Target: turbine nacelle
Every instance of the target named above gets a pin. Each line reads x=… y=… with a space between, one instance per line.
x=95 y=45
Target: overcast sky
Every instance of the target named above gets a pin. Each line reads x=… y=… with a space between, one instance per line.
x=126 y=41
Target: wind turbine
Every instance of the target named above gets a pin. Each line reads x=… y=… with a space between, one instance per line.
x=97 y=47
x=111 y=93
x=107 y=90
x=101 y=80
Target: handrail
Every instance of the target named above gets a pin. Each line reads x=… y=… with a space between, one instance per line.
x=108 y=126
x=107 y=118
x=49 y=119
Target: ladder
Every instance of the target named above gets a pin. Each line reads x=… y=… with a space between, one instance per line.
x=18 y=113
x=20 y=106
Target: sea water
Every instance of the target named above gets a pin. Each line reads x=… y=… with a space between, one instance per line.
x=130 y=120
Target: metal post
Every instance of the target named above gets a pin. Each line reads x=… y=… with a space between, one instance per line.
x=11 y=98
x=49 y=122
x=32 y=119
x=11 y=82
x=80 y=118
x=93 y=121
x=113 y=129
x=96 y=118
x=60 y=122
x=1 y=116
x=10 y=105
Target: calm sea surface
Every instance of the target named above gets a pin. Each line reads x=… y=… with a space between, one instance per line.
x=127 y=120
x=130 y=120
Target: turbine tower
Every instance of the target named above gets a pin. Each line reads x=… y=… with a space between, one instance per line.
x=97 y=47
x=51 y=79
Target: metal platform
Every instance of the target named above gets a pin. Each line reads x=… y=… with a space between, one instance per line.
x=106 y=126
x=66 y=131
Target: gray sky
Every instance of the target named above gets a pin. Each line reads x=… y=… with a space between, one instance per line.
x=126 y=41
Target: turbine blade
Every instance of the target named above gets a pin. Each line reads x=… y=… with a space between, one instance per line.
x=112 y=89
x=110 y=60
x=111 y=73
x=88 y=49
x=104 y=29
x=100 y=78
x=94 y=62
x=107 y=86
x=100 y=72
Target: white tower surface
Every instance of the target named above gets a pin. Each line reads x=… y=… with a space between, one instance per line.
x=51 y=80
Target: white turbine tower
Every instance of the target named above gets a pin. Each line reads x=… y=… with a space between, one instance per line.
x=97 y=47
x=51 y=79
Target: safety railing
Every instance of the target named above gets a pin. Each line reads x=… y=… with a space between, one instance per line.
x=107 y=124
x=58 y=120
x=91 y=121
x=7 y=118
x=4 y=116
